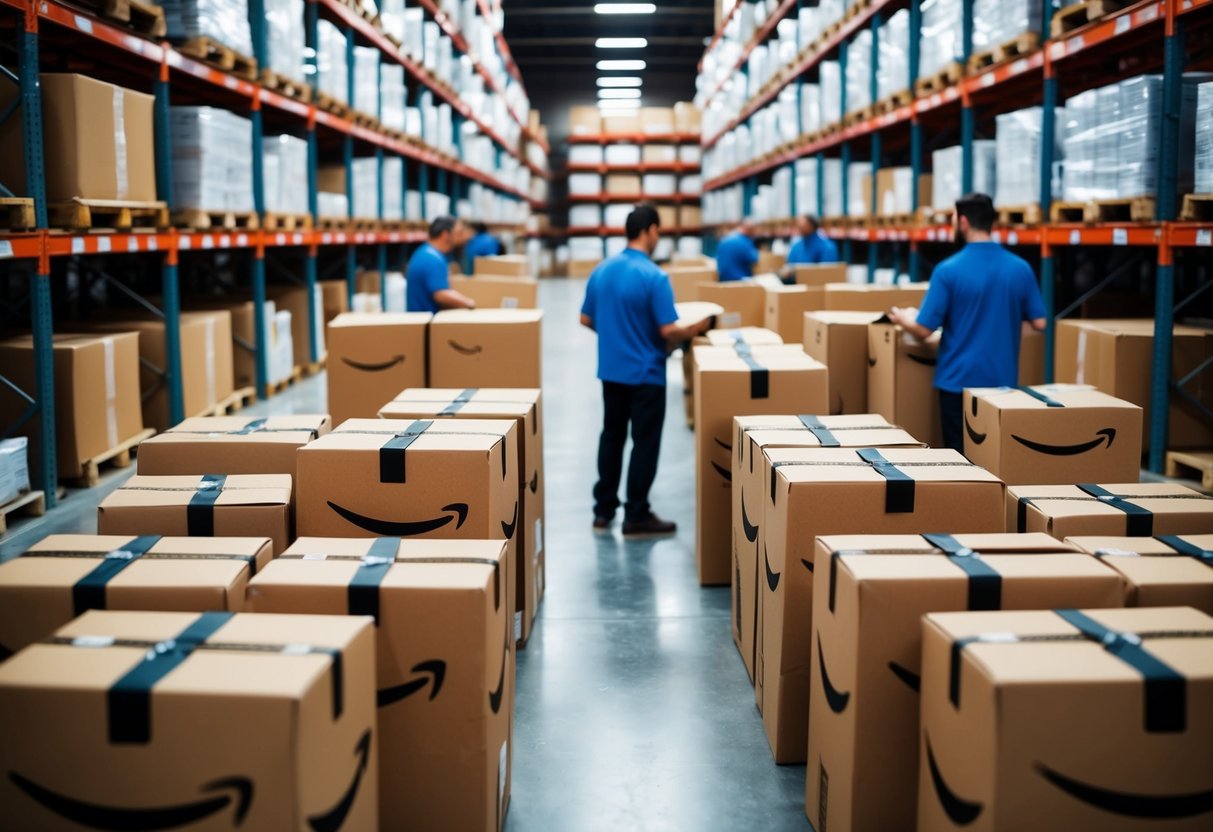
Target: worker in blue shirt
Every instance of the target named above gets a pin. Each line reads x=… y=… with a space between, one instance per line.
x=737 y=255
x=813 y=247
x=981 y=297
x=630 y=304
x=428 y=277
x=483 y=244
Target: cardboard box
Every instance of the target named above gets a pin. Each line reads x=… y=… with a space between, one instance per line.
x=1053 y=434
x=690 y=218
x=769 y=262
x=685 y=281
x=866 y=655
x=739 y=382
x=866 y=297
x=335 y=295
x=729 y=338
x=1117 y=357
x=509 y=265
x=294 y=299
x=1133 y=509
x=524 y=407
x=212 y=505
x=93 y=375
x=813 y=492
x=753 y=435
x=65 y=575
x=584 y=121
x=444 y=665
x=1031 y=356
x=668 y=216
x=625 y=184
x=686 y=118
x=244 y=335
x=840 y=341
x=231 y=445
x=499 y=292
x=1030 y=721
x=372 y=358
x=217 y=720
x=744 y=302
x=659 y=154
x=1166 y=571
x=786 y=308
x=621 y=123
x=87 y=153
x=486 y=348
x=820 y=274
x=901 y=380
x=657 y=120
x=581 y=268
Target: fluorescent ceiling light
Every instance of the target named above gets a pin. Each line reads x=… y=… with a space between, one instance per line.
x=619 y=104
x=625 y=81
x=629 y=65
x=624 y=8
x=621 y=43
x=605 y=94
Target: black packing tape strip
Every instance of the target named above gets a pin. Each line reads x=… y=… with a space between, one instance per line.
x=392 y=466
x=985 y=584
x=129 y=700
x=1183 y=547
x=200 y=513
x=88 y=593
x=834 y=556
x=899 y=488
x=1166 y=688
x=459 y=401
x=814 y=425
x=1041 y=397
x=760 y=376
x=1021 y=514
x=363 y=592
x=958 y=647
x=1139 y=522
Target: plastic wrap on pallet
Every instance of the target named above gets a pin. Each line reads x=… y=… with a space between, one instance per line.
x=285 y=40
x=366 y=80
x=223 y=21
x=997 y=21
x=393 y=188
x=942 y=30
x=831 y=93
x=859 y=71
x=859 y=185
x=893 y=66
x=282 y=347
x=805 y=185
x=392 y=94
x=947 y=169
x=332 y=72
x=833 y=175
x=1204 y=139
x=212 y=159
x=365 y=176
x=285 y=171
x=332 y=205
x=1018 y=151
x=436 y=205
x=391 y=17
x=810 y=108
x=14 y=468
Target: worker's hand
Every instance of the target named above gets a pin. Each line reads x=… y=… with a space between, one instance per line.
x=895 y=316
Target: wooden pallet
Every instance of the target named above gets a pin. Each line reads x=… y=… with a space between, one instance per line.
x=935 y=216
x=836 y=222
x=1019 y=215
x=276 y=387
x=334 y=223
x=144 y=18
x=897 y=220
x=1139 y=209
x=315 y=367
x=1197 y=208
x=108 y=214
x=31 y=503
x=237 y=401
x=17 y=213
x=211 y=51
x=1067 y=211
x=949 y=76
x=363 y=120
x=1191 y=465
x=1016 y=47
x=119 y=457
x=289 y=87
x=894 y=102
x=326 y=102
x=1074 y=17
x=286 y=222
x=200 y=220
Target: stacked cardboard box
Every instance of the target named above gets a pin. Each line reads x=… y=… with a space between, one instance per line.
x=786 y=307
x=840 y=341
x=372 y=358
x=496 y=292
x=1163 y=571
x=901 y=380
x=744 y=302
x=485 y=348
x=1133 y=509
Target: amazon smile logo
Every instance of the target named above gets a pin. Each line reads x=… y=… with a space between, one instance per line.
x=751 y=531
x=462 y=350
x=724 y=472
x=393 y=528
x=433 y=673
x=960 y=811
x=535 y=482
x=496 y=695
x=234 y=791
x=922 y=359
x=508 y=528
x=772 y=577
x=334 y=818
x=373 y=368
x=910 y=679
x=836 y=699
x=975 y=437
x=1069 y=450
x=1153 y=807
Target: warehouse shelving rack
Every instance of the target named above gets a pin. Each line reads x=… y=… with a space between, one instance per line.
x=129 y=59
x=1078 y=60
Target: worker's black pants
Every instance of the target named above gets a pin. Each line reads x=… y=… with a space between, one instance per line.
x=642 y=406
x=951 y=417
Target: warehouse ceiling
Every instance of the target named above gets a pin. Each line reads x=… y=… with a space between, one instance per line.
x=552 y=42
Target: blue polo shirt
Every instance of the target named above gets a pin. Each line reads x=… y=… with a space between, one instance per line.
x=735 y=257
x=813 y=248
x=482 y=245
x=427 y=273
x=628 y=300
x=980 y=296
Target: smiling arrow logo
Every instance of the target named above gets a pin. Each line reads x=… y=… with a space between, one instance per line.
x=1154 y=807
x=393 y=528
x=462 y=350
x=836 y=699
x=495 y=695
x=960 y=811
x=508 y=528
x=535 y=482
x=911 y=680
x=751 y=531
x=374 y=368
x=334 y=818
x=1069 y=450
x=434 y=671
x=118 y=819
x=975 y=437
x=772 y=577
x=724 y=472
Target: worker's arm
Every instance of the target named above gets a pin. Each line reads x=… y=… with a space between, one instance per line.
x=675 y=334
x=1039 y=324
x=902 y=319
x=450 y=299
x=587 y=322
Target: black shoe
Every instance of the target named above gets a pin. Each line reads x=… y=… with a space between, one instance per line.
x=602 y=524
x=651 y=526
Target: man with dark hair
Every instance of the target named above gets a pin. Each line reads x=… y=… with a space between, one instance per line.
x=737 y=255
x=630 y=304
x=428 y=277
x=981 y=297
x=483 y=244
x=813 y=246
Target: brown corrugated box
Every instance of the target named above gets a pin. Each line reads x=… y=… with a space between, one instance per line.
x=1164 y=571
x=658 y=120
x=659 y=154
x=372 y=358
x=819 y=274
x=786 y=307
x=1055 y=433
x=769 y=262
x=486 y=348
x=228 y=721
x=731 y=382
x=690 y=216
x=65 y=575
x=1134 y=509
x=744 y=302
x=244 y=337
x=1117 y=357
x=901 y=380
x=621 y=123
x=869 y=597
x=508 y=265
x=231 y=445
x=835 y=491
x=213 y=505
x=865 y=297
x=584 y=121
x=93 y=375
x=525 y=408
x=294 y=299
x=491 y=292
x=335 y=295
x=581 y=268
x=685 y=280
x=87 y=154
x=749 y=335
x=753 y=435
x=667 y=215
x=1028 y=723
x=1031 y=356
x=686 y=117
x=840 y=341
x=445 y=668
x=625 y=184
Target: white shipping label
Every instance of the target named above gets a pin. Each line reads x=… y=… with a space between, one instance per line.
x=111 y=395
x=502 y=769
x=538 y=537
x=509 y=303
x=121 y=179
